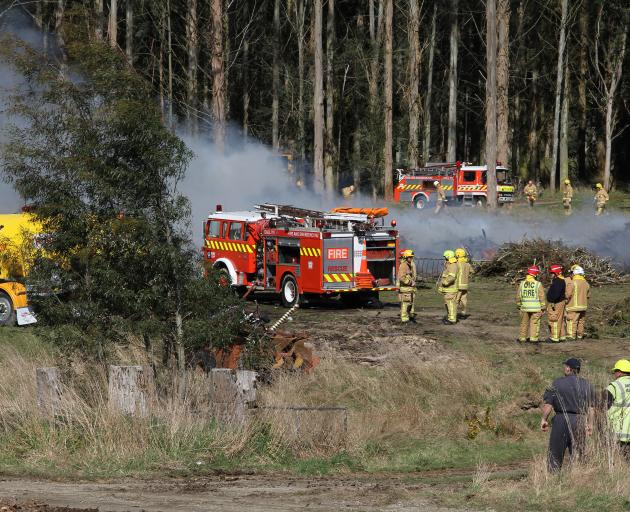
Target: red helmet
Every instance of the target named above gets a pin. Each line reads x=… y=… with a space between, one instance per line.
x=556 y=269
x=533 y=270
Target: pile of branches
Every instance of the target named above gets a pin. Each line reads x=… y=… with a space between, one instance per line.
x=513 y=258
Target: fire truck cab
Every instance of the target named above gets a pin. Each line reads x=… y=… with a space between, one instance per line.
x=296 y=252
x=464 y=184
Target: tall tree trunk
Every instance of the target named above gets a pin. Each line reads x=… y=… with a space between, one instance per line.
x=275 y=77
x=129 y=31
x=113 y=23
x=99 y=8
x=218 y=73
x=582 y=79
x=413 y=32
x=330 y=101
x=556 y=117
x=517 y=120
x=426 y=147
x=245 y=77
x=533 y=137
x=503 y=77
x=388 y=161
x=318 y=102
x=491 y=101
x=192 y=42
x=375 y=39
x=564 y=128
x=169 y=56
x=299 y=16
x=452 y=85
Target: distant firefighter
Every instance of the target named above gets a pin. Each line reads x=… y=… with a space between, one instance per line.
x=447 y=285
x=601 y=199
x=348 y=191
x=407 y=275
x=531 y=192
x=464 y=270
x=567 y=197
x=441 y=197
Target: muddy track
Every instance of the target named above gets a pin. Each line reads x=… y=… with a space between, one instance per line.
x=237 y=492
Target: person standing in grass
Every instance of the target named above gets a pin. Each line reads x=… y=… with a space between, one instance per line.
x=618 y=403
x=530 y=298
x=556 y=301
x=572 y=399
x=578 y=293
x=464 y=269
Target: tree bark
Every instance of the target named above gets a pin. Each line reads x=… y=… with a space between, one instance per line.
x=491 y=101
x=388 y=161
x=49 y=391
x=129 y=31
x=564 y=128
x=503 y=77
x=275 y=77
x=582 y=79
x=413 y=32
x=192 y=41
x=169 y=35
x=426 y=147
x=217 y=62
x=559 y=77
x=452 y=85
x=99 y=8
x=318 y=102
x=113 y=23
x=299 y=17
x=131 y=389
x=329 y=160
x=245 y=71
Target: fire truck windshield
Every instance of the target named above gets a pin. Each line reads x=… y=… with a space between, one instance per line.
x=503 y=177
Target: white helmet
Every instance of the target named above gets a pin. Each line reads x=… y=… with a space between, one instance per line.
x=578 y=271
x=436 y=183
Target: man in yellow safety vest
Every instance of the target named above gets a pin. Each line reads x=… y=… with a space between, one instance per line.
x=577 y=293
x=464 y=269
x=530 y=298
x=447 y=285
x=618 y=402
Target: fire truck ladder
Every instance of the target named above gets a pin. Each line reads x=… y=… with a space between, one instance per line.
x=285 y=210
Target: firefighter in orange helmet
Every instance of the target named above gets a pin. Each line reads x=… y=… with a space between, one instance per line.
x=407 y=287
x=530 y=297
x=556 y=300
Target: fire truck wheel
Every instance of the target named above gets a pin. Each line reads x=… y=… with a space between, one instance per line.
x=289 y=292
x=7 y=313
x=420 y=202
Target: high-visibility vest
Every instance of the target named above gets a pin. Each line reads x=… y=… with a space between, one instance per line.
x=619 y=412
x=450 y=270
x=528 y=293
x=578 y=301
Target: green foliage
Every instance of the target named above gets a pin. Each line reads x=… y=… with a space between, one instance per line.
x=90 y=152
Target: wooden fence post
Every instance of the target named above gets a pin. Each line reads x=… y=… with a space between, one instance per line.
x=49 y=390
x=131 y=389
x=229 y=394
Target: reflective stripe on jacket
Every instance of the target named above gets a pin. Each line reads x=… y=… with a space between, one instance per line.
x=531 y=296
x=619 y=412
x=448 y=279
x=577 y=293
x=463 y=274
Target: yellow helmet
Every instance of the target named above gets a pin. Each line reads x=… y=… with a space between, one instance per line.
x=460 y=252
x=449 y=254
x=599 y=185
x=567 y=182
x=407 y=253
x=623 y=365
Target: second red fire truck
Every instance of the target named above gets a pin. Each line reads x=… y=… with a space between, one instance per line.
x=464 y=184
x=297 y=252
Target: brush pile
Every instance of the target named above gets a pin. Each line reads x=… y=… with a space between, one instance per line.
x=513 y=258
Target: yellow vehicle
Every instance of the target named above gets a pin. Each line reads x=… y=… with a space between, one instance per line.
x=18 y=244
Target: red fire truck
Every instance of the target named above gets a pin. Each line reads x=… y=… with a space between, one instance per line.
x=464 y=184
x=297 y=252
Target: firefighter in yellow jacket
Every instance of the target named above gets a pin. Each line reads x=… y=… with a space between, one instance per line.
x=530 y=298
x=447 y=285
x=567 y=197
x=531 y=192
x=601 y=198
x=407 y=287
x=578 y=292
x=464 y=270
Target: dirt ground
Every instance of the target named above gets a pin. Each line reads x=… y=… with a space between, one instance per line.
x=222 y=493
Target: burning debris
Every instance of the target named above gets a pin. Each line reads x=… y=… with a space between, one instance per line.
x=513 y=258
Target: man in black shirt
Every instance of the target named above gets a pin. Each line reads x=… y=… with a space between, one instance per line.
x=572 y=399
x=556 y=300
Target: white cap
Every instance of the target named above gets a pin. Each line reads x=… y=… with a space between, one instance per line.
x=578 y=271
x=436 y=183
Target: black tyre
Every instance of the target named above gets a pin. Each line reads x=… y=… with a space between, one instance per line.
x=7 y=312
x=289 y=292
x=420 y=202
